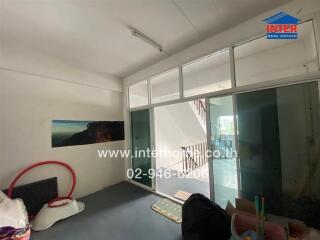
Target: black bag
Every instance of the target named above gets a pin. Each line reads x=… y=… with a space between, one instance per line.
x=203 y=219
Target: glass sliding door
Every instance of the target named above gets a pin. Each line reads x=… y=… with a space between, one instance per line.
x=140 y=146
x=259 y=144
x=279 y=149
x=223 y=146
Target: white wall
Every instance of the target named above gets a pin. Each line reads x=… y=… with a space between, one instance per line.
x=26 y=60
x=176 y=126
x=28 y=104
x=37 y=88
x=168 y=137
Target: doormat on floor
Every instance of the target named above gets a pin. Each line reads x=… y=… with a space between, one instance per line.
x=169 y=209
x=182 y=195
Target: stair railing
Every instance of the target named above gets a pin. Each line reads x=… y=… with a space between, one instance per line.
x=201 y=109
x=194 y=156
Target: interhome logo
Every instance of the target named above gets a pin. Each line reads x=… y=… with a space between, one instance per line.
x=282 y=26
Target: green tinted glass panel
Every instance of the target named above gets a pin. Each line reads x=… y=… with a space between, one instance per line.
x=279 y=147
x=140 y=143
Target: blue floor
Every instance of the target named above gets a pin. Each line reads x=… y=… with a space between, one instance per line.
x=120 y=212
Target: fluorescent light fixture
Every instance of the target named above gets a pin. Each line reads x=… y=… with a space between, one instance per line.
x=145 y=38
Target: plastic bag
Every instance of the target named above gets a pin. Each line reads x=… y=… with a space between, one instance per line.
x=10 y=233
x=13 y=213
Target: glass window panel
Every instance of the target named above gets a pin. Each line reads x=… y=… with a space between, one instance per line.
x=140 y=141
x=206 y=75
x=262 y=59
x=225 y=172
x=165 y=87
x=138 y=94
x=279 y=146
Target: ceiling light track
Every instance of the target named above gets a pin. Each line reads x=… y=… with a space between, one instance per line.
x=145 y=38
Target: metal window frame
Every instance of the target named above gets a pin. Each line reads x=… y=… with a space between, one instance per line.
x=136 y=84
x=209 y=147
x=233 y=91
x=229 y=92
x=316 y=27
x=251 y=87
x=159 y=75
x=152 y=146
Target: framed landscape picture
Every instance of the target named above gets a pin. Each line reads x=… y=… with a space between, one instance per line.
x=70 y=133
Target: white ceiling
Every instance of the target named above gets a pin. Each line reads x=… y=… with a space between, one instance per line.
x=94 y=34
